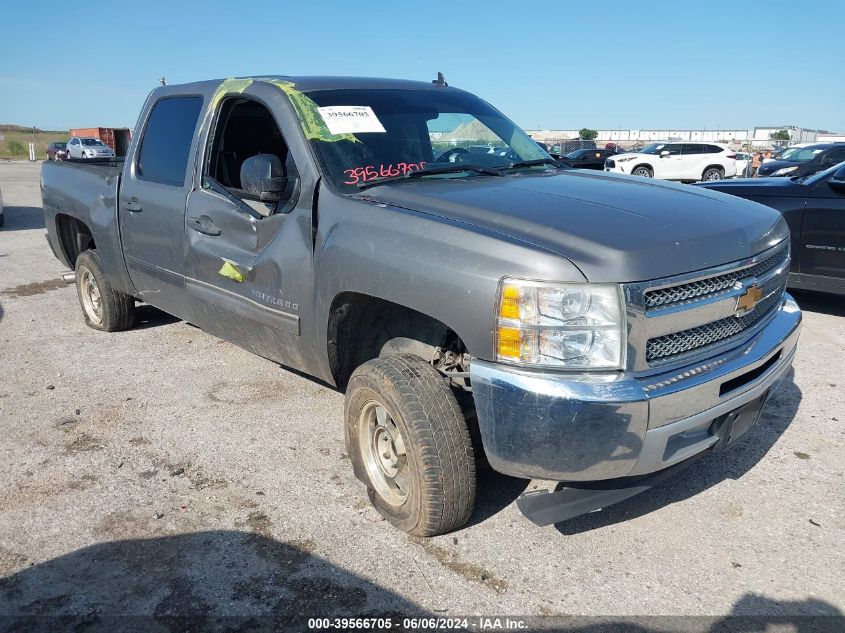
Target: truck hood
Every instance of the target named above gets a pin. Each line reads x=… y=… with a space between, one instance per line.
x=613 y=228
x=759 y=187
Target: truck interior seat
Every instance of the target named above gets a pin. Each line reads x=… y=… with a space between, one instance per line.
x=247 y=136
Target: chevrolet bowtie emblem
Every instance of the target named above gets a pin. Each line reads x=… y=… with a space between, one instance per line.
x=746 y=301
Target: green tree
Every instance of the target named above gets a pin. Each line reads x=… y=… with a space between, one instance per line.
x=587 y=134
x=780 y=135
x=16 y=148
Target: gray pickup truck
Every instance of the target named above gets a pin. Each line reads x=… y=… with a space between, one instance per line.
x=476 y=307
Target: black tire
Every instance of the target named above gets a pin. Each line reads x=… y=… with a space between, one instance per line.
x=712 y=174
x=438 y=450
x=643 y=171
x=117 y=309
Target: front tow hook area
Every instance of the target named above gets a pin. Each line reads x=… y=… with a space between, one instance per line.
x=545 y=508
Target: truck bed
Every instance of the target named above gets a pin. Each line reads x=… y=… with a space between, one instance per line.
x=85 y=191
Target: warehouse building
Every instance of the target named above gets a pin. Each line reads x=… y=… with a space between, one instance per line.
x=760 y=135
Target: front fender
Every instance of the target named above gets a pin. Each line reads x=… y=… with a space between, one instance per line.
x=447 y=270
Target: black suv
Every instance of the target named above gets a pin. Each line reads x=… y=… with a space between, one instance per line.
x=804 y=161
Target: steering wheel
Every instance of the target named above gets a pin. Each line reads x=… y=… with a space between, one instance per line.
x=454 y=155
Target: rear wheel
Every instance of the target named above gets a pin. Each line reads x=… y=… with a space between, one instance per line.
x=712 y=173
x=103 y=307
x=643 y=171
x=410 y=445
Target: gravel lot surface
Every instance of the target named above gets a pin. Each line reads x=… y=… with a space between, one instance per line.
x=161 y=471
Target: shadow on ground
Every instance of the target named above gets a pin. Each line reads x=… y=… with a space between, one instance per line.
x=222 y=580
x=494 y=492
x=239 y=581
x=705 y=473
x=752 y=613
x=147 y=316
x=22 y=219
x=820 y=302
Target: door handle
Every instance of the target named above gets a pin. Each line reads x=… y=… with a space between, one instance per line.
x=132 y=206
x=204 y=225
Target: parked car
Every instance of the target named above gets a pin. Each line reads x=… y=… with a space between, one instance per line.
x=569 y=326
x=587 y=158
x=57 y=150
x=562 y=149
x=804 y=161
x=677 y=161
x=814 y=208
x=88 y=147
x=743 y=165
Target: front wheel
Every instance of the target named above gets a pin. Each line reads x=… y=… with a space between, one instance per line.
x=712 y=173
x=104 y=308
x=642 y=171
x=409 y=443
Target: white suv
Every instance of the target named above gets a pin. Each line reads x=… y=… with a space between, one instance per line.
x=677 y=161
x=88 y=147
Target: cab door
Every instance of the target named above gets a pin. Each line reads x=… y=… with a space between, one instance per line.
x=669 y=166
x=151 y=208
x=823 y=231
x=248 y=267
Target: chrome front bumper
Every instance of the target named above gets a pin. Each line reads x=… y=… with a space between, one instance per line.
x=590 y=427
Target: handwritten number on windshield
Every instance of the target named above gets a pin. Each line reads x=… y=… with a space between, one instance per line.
x=370 y=172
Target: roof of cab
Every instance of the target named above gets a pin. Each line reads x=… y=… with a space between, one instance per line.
x=313 y=83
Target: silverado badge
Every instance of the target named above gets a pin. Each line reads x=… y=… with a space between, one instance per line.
x=747 y=300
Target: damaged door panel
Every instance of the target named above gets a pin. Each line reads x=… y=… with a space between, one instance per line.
x=249 y=189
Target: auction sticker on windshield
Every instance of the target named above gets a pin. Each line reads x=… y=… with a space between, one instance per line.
x=350 y=119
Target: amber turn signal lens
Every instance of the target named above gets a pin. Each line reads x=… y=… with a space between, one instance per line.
x=509 y=342
x=510 y=303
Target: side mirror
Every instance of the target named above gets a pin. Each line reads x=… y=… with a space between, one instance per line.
x=262 y=176
x=664 y=153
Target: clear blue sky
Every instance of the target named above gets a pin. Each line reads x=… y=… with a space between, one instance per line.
x=599 y=64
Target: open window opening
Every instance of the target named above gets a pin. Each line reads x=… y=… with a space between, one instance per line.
x=245 y=129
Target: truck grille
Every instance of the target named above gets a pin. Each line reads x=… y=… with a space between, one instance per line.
x=671 y=346
x=712 y=287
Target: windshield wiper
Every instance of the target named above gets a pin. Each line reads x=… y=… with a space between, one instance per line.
x=432 y=171
x=532 y=163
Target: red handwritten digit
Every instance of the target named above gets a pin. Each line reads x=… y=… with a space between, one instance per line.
x=351 y=173
x=370 y=172
x=422 y=164
x=384 y=173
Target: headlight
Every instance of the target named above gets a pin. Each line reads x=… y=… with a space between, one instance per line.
x=785 y=170
x=572 y=326
x=626 y=159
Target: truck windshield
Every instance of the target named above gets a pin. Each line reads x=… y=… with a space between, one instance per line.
x=363 y=135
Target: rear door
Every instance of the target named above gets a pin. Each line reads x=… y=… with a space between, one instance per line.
x=693 y=161
x=151 y=208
